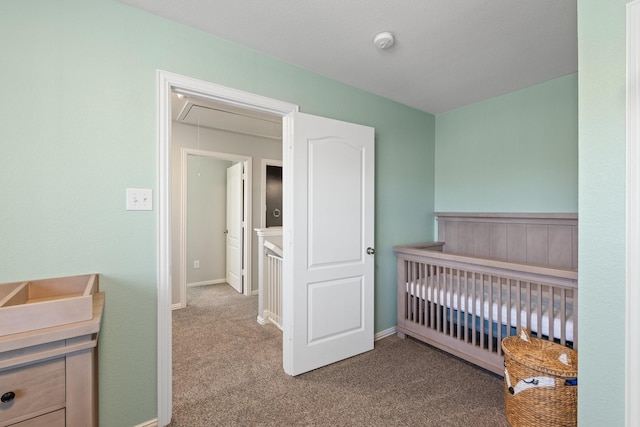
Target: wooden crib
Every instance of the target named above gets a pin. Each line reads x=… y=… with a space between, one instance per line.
x=489 y=275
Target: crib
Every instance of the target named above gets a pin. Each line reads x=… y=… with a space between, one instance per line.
x=489 y=275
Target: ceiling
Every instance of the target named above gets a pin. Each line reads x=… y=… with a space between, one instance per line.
x=209 y=114
x=448 y=53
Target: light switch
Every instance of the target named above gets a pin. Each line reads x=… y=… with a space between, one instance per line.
x=139 y=199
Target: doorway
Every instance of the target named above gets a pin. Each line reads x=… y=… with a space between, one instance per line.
x=203 y=219
x=310 y=147
x=168 y=83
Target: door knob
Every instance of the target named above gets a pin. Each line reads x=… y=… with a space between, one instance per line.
x=370 y=250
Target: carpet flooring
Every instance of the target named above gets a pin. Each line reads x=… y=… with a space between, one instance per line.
x=227 y=371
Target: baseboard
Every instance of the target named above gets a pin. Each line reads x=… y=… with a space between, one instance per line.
x=261 y=320
x=206 y=282
x=255 y=292
x=176 y=306
x=150 y=423
x=385 y=333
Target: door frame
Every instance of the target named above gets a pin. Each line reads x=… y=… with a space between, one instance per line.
x=247 y=247
x=166 y=83
x=632 y=340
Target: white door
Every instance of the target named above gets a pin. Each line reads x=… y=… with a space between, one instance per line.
x=329 y=263
x=234 y=226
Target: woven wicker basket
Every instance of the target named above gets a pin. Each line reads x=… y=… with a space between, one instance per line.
x=540 y=382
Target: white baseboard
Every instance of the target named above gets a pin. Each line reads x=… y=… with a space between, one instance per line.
x=150 y=423
x=385 y=333
x=176 y=306
x=261 y=320
x=255 y=292
x=207 y=282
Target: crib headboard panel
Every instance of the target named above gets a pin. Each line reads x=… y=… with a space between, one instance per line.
x=546 y=239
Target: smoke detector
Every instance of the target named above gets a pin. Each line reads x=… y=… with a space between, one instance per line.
x=384 y=40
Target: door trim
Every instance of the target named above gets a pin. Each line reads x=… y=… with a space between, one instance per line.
x=247 y=246
x=167 y=82
x=632 y=339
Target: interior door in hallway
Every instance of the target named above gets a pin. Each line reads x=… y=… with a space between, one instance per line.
x=234 y=226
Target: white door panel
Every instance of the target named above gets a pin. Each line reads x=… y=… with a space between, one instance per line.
x=234 y=226
x=331 y=308
x=335 y=216
x=328 y=273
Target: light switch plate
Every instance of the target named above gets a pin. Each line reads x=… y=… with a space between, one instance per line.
x=139 y=199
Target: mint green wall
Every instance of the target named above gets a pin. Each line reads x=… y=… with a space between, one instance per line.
x=602 y=82
x=79 y=127
x=513 y=153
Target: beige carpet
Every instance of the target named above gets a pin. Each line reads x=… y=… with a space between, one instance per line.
x=227 y=371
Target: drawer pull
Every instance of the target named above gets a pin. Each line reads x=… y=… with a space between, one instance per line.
x=8 y=397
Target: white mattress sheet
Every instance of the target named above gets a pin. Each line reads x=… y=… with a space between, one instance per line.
x=492 y=306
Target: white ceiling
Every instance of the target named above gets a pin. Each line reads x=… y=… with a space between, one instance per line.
x=199 y=112
x=448 y=53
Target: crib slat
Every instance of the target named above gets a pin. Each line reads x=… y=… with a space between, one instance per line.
x=499 y=324
x=435 y=295
x=551 y=310
x=473 y=308
x=468 y=287
x=448 y=295
x=563 y=316
x=489 y=317
x=482 y=314
x=509 y=284
x=418 y=312
x=458 y=293
x=528 y=318
x=464 y=310
x=426 y=272
x=432 y=306
x=540 y=294
x=415 y=290
x=451 y=323
x=415 y=282
x=410 y=291
x=519 y=305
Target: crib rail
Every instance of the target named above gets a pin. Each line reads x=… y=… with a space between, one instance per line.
x=466 y=305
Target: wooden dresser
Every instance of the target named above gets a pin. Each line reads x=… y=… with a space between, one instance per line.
x=49 y=375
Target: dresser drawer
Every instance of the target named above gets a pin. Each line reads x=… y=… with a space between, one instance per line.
x=52 y=419
x=38 y=388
